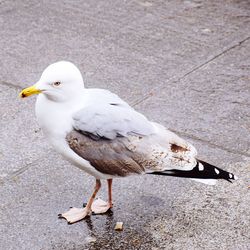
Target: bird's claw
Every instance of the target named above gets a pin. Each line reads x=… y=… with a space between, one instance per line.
x=100 y=207
x=75 y=214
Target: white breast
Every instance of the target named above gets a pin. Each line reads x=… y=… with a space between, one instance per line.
x=55 y=119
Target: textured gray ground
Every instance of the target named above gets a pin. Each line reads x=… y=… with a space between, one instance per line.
x=185 y=64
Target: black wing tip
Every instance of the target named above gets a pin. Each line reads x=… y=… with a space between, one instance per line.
x=232 y=177
x=203 y=171
x=215 y=172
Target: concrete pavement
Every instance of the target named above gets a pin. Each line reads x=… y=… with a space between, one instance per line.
x=185 y=64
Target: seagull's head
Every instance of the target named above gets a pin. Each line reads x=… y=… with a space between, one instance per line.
x=60 y=81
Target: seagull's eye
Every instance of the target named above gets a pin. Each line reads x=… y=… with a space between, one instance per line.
x=56 y=84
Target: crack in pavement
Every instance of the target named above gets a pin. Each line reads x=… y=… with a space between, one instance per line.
x=194 y=69
x=179 y=78
x=19 y=171
x=8 y=84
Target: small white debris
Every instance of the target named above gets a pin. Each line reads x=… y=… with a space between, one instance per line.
x=206 y=31
x=216 y=171
x=200 y=167
x=230 y=176
x=90 y=239
x=145 y=4
x=119 y=226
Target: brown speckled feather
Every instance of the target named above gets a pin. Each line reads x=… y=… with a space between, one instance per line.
x=133 y=154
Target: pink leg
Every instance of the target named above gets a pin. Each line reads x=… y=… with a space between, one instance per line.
x=99 y=206
x=110 y=192
x=77 y=214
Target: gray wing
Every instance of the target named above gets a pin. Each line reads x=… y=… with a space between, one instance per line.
x=119 y=141
x=101 y=136
x=111 y=120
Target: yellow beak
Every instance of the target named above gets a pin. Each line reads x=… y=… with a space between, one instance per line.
x=29 y=91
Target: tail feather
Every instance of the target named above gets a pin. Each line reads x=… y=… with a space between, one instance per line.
x=203 y=172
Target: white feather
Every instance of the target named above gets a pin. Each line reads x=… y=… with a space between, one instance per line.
x=206 y=181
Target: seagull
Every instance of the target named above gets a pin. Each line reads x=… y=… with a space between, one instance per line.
x=99 y=133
